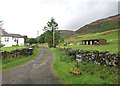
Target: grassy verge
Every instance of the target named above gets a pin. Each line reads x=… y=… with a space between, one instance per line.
x=91 y=73
x=112 y=48
x=11 y=48
x=13 y=62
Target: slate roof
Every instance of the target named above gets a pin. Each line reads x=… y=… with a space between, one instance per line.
x=4 y=33
x=14 y=35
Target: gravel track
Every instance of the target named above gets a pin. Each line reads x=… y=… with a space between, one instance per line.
x=37 y=71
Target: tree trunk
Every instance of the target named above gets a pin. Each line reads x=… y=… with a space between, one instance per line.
x=53 y=38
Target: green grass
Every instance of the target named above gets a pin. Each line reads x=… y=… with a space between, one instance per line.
x=11 y=48
x=13 y=62
x=91 y=73
x=111 y=47
x=111 y=37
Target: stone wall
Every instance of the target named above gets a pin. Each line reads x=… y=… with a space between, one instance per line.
x=16 y=53
x=101 y=58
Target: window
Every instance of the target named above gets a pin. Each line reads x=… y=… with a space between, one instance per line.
x=6 y=39
x=15 y=40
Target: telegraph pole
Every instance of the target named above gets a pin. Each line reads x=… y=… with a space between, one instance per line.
x=53 y=37
x=37 y=33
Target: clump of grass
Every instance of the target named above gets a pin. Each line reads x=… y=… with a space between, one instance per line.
x=90 y=73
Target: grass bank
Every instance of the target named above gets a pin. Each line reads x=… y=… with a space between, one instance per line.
x=91 y=73
x=11 y=48
x=112 y=48
x=13 y=62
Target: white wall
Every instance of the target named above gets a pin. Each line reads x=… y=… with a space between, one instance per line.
x=21 y=41
x=7 y=44
x=11 y=41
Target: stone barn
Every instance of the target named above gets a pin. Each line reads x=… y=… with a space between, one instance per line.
x=94 y=42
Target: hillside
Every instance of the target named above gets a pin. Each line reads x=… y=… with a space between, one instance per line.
x=101 y=25
x=98 y=26
x=66 y=33
x=111 y=36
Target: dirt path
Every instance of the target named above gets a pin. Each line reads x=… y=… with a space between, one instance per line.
x=38 y=71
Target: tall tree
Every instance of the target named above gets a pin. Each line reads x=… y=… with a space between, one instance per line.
x=52 y=26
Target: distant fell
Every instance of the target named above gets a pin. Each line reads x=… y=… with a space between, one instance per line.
x=66 y=33
x=101 y=25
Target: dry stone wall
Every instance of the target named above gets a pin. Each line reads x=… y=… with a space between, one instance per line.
x=16 y=53
x=101 y=58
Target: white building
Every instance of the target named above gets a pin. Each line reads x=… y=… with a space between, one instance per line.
x=11 y=39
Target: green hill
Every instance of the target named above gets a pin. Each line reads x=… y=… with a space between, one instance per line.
x=101 y=25
x=98 y=26
x=66 y=33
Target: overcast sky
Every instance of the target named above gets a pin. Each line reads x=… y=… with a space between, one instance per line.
x=26 y=17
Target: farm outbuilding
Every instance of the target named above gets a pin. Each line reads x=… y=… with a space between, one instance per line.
x=94 y=42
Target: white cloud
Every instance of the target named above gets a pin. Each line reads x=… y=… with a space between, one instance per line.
x=28 y=16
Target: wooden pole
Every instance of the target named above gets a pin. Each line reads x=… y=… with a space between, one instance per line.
x=53 y=38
